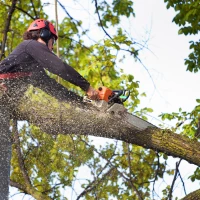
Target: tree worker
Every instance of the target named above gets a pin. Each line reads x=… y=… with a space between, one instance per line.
x=26 y=65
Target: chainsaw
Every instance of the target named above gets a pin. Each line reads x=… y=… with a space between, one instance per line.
x=111 y=101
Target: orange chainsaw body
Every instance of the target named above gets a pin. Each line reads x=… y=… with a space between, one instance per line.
x=105 y=93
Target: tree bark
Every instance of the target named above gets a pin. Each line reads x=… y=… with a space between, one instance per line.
x=192 y=196
x=29 y=190
x=55 y=117
x=5 y=152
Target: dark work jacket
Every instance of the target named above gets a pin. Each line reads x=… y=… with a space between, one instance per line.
x=35 y=57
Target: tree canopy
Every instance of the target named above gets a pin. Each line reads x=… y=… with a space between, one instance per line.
x=48 y=166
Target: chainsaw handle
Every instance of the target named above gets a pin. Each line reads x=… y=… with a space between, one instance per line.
x=117 y=96
x=118 y=93
x=128 y=95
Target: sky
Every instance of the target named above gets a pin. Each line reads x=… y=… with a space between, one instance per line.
x=173 y=86
x=166 y=62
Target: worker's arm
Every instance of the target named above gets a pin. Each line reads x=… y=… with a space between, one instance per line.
x=53 y=64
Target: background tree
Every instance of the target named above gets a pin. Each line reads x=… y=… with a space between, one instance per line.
x=43 y=164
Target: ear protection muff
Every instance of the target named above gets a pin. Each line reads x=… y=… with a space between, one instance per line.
x=45 y=33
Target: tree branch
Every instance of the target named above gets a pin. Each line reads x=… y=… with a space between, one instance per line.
x=156 y=174
x=94 y=183
x=36 y=15
x=174 y=179
x=192 y=196
x=19 y=154
x=120 y=173
x=20 y=9
x=182 y=182
x=18 y=186
x=127 y=50
x=6 y=29
x=28 y=188
x=97 y=10
x=100 y=21
x=44 y=112
x=65 y=11
x=130 y=175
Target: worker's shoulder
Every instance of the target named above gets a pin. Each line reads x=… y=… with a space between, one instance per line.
x=33 y=43
x=33 y=46
x=21 y=47
x=26 y=43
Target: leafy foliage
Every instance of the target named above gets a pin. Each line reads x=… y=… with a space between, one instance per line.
x=188 y=18
x=111 y=12
x=54 y=163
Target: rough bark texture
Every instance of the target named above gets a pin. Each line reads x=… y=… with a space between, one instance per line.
x=192 y=196
x=56 y=117
x=29 y=190
x=5 y=152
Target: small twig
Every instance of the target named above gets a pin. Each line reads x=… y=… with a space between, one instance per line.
x=182 y=182
x=19 y=153
x=156 y=174
x=113 y=166
x=36 y=15
x=130 y=173
x=174 y=179
x=96 y=5
x=52 y=188
x=63 y=7
x=127 y=50
x=94 y=183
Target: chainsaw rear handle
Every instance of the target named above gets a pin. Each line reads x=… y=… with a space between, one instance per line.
x=118 y=93
x=126 y=94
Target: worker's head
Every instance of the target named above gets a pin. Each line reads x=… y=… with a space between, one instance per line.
x=41 y=29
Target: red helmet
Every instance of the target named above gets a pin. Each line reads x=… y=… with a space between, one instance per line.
x=41 y=23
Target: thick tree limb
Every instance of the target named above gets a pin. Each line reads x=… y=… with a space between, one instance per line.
x=31 y=191
x=18 y=186
x=44 y=111
x=192 y=196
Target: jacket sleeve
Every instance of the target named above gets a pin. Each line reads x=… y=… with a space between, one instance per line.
x=55 y=65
